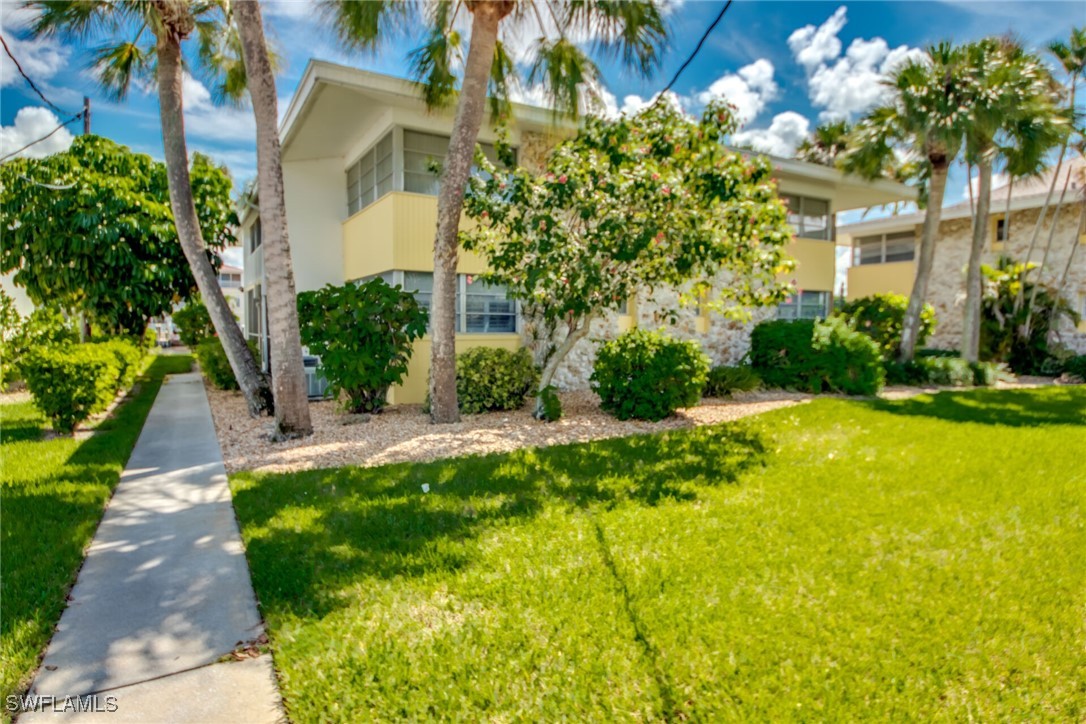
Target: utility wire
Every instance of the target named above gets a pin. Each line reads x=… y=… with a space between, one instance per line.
x=73 y=119
x=35 y=88
x=697 y=48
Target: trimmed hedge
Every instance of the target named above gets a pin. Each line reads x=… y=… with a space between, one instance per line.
x=491 y=378
x=1076 y=366
x=725 y=380
x=128 y=357
x=216 y=367
x=882 y=318
x=825 y=356
x=648 y=375
x=72 y=382
x=942 y=371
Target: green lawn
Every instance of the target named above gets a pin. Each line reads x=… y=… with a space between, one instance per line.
x=922 y=559
x=52 y=496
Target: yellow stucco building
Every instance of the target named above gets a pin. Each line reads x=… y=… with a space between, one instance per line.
x=361 y=203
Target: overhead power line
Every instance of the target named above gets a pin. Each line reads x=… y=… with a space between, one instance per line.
x=60 y=111
x=73 y=119
x=697 y=48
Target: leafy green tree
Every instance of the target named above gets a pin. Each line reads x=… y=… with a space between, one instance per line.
x=193 y=323
x=363 y=334
x=91 y=229
x=881 y=317
x=633 y=31
x=1009 y=99
x=625 y=207
x=924 y=118
x=144 y=40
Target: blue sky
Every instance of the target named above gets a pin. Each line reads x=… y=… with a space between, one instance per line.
x=785 y=64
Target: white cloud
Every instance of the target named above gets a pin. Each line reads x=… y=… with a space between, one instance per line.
x=780 y=139
x=203 y=119
x=41 y=58
x=31 y=123
x=749 y=89
x=813 y=46
x=845 y=86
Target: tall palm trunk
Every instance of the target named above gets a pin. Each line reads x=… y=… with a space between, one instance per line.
x=910 y=331
x=1027 y=328
x=486 y=17
x=177 y=24
x=1075 y=244
x=287 y=372
x=971 y=322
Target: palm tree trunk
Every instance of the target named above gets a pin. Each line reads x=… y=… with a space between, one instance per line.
x=1075 y=244
x=250 y=380
x=486 y=16
x=910 y=332
x=287 y=372
x=1027 y=328
x=971 y=322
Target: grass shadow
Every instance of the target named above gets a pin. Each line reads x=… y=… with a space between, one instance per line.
x=1011 y=408
x=309 y=535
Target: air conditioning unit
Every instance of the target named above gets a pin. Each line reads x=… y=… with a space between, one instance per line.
x=315 y=382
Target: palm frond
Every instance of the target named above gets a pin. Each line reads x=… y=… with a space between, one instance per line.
x=365 y=24
x=563 y=69
x=116 y=65
x=633 y=30
x=433 y=61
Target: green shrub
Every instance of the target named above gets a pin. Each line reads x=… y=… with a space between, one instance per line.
x=128 y=357
x=985 y=374
x=216 y=367
x=648 y=375
x=150 y=338
x=1076 y=366
x=911 y=373
x=193 y=323
x=70 y=383
x=933 y=352
x=45 y=326
x=551 y=406
x=724 y=380
x=950 y=371
x=882 y=317
x=826 y=356
x=491 y=378
x=364 y=335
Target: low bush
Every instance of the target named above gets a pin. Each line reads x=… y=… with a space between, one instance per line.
x=985 y=374
x=364 y=335
x=70 y=383
x=490 y=378
x=1076 y=367
x=550 y=406
x=193 y=323
x=950 y=371
x=44 y=327
x=215 y=365
x=942 y=371
x=882 y=317
x=724 y=380
x=128 y=357
x=648 y=375
x=826 y=356
x=933 y=352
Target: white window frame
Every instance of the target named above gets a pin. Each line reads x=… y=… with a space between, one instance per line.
x=857 y=256
x=798 y=304
x=796 y=216
x=398 y=277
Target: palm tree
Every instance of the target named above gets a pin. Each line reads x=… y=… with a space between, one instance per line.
x=1072 y=57
x=169 y=22
x=1008 y=92
x=924 y=118
x=825 y=144
x=633 y=31
x=287 y=371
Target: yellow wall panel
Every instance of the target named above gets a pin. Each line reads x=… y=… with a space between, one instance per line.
x=893 y=278
x=413 y=389
x=816 y=262
x=367 y=240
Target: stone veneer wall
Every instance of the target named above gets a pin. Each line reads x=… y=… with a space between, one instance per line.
x=946 y=292
x=726 y=341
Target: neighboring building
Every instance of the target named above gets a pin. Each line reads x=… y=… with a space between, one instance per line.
x=884 y=251
x=361 y=203
x=230 y=283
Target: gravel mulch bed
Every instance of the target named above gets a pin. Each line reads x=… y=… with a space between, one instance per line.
x=404 y=434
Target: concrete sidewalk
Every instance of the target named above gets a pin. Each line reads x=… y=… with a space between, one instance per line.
x=164 y=592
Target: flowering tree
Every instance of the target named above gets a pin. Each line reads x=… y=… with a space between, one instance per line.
x=627 y=206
